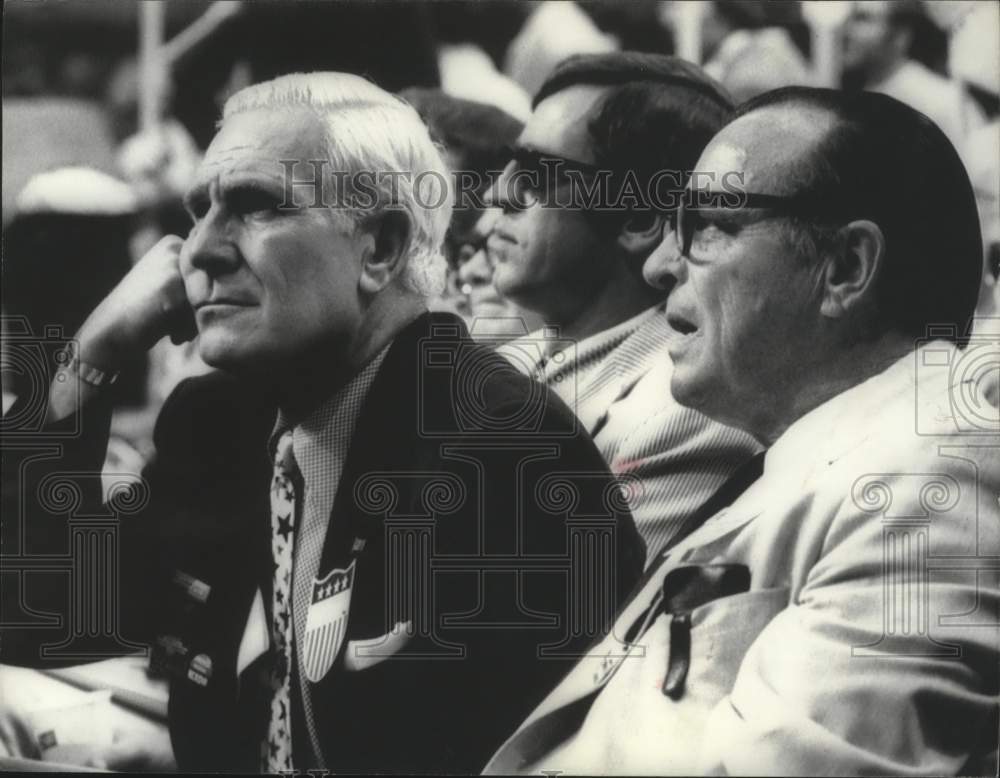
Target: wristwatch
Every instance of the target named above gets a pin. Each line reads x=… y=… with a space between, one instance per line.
x=85 y=372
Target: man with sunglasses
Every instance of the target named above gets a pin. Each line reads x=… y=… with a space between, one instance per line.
x=611 y=138
x=834 y=610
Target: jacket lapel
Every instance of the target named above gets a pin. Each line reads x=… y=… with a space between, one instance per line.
x=385 y=434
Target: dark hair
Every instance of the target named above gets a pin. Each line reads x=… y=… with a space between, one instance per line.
x=478 y=136
x=757 y=14
x=476 y=133
x=659 y=113
x=888 y=163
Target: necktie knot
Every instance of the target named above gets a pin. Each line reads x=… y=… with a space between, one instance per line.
x=284 y=453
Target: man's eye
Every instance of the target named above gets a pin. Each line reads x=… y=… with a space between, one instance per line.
x=248 y=201
x=711 y=223
x=703 y=231
x=529 y=188
x=466 y=252
x=197 y=208
x=728 y=226
x=696 y=222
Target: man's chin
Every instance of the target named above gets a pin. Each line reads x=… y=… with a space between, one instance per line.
x=223 y=353
x=685 y=389
x=492 y=309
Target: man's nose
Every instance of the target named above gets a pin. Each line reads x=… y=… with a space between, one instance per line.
x=502 y=194
x=490 y=193
x=665 y=267
x=209 y=246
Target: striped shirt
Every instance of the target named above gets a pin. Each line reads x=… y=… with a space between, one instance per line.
x=670 y=459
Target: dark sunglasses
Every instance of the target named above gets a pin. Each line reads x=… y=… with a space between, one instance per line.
x=468 y=246
x=685 y=220
x=535 y=160
x=531 y=172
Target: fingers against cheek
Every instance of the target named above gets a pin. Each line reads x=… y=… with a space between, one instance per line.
x=184 y=254
x=195 y=282
x=172 y=240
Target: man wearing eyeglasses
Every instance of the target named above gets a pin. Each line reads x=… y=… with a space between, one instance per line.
x=836 y=610
x=611 y=137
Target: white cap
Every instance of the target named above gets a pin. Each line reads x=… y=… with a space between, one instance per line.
x=76 y=190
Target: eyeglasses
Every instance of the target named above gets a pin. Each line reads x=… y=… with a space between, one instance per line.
x=531 y=174
x=687 y=219
x=469 y=245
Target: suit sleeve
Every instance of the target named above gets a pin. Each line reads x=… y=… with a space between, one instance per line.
x=886 y=661
x=54 y=511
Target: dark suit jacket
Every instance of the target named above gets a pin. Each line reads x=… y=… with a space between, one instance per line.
x=490 y=521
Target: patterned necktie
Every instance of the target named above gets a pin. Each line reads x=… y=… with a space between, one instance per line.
x=276 y=752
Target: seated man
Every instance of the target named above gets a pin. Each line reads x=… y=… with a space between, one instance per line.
x=359 y=532
x=573 y=254
x=476 y=140
x=840 y=616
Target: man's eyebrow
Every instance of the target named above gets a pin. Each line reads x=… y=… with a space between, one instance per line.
x=254 y=180
x=236 y=183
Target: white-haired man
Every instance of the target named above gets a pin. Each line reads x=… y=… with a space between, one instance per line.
x=348 y=621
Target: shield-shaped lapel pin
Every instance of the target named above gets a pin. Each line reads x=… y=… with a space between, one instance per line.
x=326 y=623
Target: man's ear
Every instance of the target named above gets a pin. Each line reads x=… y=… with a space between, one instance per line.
x=387 y=256
x=641 y=233
x=902 y=40
x=851 y=270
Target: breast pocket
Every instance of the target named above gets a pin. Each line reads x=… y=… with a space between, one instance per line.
x=720 y=634
x=713 y=605
x=363 y=654
x=636 y=726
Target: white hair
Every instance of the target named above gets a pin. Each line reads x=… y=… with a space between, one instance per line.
x=371 y=130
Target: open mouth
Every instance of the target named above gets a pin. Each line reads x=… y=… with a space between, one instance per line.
x=680 y=324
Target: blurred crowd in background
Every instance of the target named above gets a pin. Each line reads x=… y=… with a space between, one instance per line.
x=99 y=147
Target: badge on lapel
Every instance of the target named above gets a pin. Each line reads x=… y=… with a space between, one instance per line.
x=326 y=624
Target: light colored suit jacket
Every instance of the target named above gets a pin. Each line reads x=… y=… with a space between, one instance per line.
x=868 y=640
x=669 y=458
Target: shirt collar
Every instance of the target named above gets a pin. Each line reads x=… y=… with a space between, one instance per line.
x=595 y=346
x=316 y=429
x=829 y=429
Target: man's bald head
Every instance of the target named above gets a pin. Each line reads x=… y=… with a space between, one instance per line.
x=868 y=156
x=767 y=327
x=748 y=147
